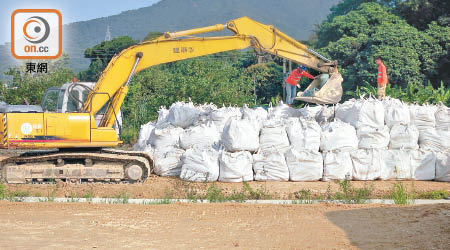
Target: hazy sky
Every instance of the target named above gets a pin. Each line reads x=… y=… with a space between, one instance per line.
x=71 y=10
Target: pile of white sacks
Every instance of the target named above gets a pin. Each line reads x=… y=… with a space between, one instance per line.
x=362 y=139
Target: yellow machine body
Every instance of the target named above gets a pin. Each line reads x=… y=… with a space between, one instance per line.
x=54 y=130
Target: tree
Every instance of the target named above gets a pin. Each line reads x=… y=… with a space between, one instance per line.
x=356 y=38
x=32 y=86
x=420 y=13
x=152 y=35
x=267 y=79
x=101 y=54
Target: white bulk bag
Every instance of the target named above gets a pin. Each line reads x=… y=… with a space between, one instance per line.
x=395 y=165
x=282 y=111
x=325 y=115
x=165 y=137
x=404 y=136
x=303 y=134
x=273 y=136
x=200 y=136
x=257 y=113
x=149 y=150
x=304 y=165
x=423 y=116
x=270 y=165
x=442 y=167
x=144 y=136
x=395 y=112
x=373 y=138
x=337 y=166
x=442 y=116
x=338 y=135
x=167 y=161
x=236 y=167
x=423 y=165
x=221 y=116
x=434 y=140
x=163 y=114
x=363 y=112
x=200 y=165
x=366 y=164
x=240 y=135
x=343 y=110
x=205 y=111
x=256 y=116
x=309 y=112
x=182 y=114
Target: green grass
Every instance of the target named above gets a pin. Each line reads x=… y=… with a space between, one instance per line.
x=351 y=195
x=16 y=195
x=433 y=195
x=89 y=195
x=303 y=196
x=216 y=194
x=2 y=191
x=401 y=195
x=122 y=198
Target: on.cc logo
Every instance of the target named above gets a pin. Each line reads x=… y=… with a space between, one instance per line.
x=36 y=34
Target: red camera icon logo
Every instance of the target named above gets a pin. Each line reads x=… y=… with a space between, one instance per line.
x=36 y=34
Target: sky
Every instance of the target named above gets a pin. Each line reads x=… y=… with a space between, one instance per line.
x=71 y=10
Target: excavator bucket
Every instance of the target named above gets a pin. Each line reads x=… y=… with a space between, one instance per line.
x=329 y=93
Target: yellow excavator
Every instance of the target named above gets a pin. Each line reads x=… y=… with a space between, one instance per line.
x=84 y=134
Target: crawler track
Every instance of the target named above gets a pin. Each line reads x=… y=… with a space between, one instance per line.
x=102 y=165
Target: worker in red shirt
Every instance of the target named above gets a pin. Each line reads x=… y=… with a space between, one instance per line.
x=292 y=83
x=382 y=78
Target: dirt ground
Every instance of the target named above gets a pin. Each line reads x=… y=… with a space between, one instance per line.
x=223 y=226
x=160 y=187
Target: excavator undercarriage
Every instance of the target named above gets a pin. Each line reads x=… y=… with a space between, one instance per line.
x=93 y=165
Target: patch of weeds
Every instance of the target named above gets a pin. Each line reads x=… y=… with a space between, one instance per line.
x=303 y=196
x=192 y=195
x=433 y=195
x=2 y=191
x=17 y=195
x=214 y=194
x=351 y=195
x=122 y=198
x=329 y=194
x=74 y=197
x=89 y=195
x=51 y=196
x=258 y=194
x=400 y=194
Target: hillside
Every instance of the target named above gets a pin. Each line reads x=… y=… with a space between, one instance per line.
x=294 y=17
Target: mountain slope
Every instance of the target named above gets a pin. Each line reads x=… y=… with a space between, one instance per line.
x=294 y=17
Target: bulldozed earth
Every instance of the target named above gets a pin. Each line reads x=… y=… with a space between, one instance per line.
x=51 y=225
x=222 y=226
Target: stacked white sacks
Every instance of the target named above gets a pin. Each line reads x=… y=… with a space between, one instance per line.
x=361 y=139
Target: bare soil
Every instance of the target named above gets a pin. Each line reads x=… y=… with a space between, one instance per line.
x=223 y=226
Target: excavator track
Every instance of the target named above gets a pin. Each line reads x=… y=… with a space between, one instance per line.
x=103 y=165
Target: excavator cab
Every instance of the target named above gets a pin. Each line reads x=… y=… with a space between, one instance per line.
x=329 y=92
x=69 y=98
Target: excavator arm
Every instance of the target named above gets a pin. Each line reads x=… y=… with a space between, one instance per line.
x=112 y=85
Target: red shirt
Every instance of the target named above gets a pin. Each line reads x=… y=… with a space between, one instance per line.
x=382 y=78
x=295 y=76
